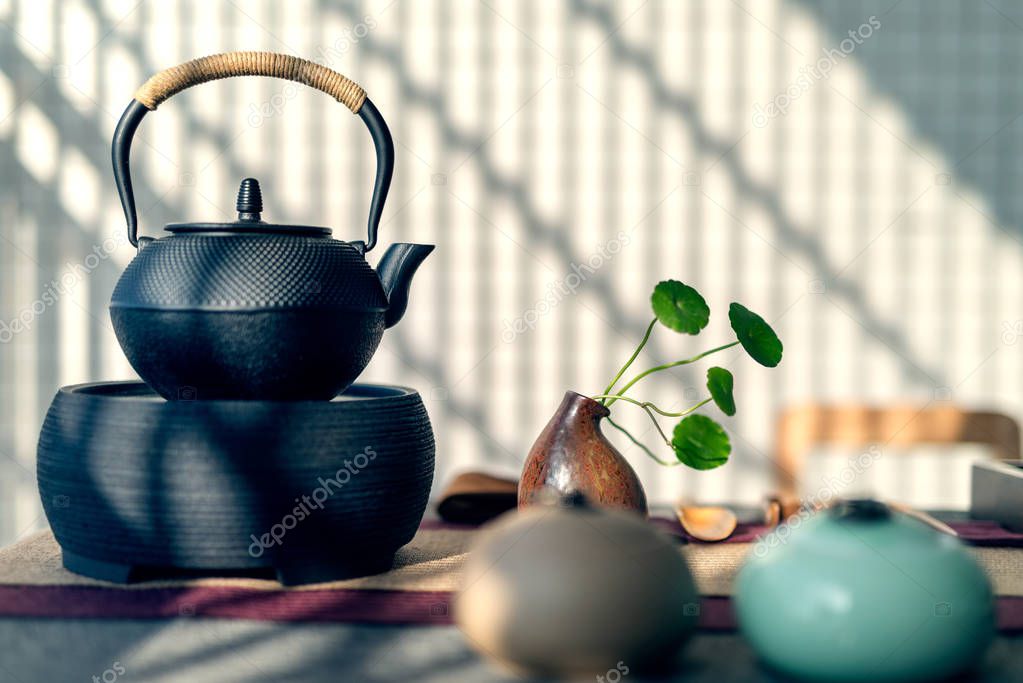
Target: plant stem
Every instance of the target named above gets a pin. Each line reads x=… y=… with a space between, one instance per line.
x=646 y=450
x=666 y=366
x=653 y=418
x=697 y=406
x=646 y=337
x=648 y=404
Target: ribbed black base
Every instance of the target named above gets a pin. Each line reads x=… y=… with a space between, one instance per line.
x=135 y=486
x=303 y=571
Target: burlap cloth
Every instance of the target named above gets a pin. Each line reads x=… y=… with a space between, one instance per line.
x=432 y=562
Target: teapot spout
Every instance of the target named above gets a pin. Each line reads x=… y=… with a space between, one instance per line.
x=395 y=270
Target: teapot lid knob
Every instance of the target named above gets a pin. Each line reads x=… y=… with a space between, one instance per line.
x=250 y=200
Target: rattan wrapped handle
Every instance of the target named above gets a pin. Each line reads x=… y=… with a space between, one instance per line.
x=177 y=78
x=169 y=82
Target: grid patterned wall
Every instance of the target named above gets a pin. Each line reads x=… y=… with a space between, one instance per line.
x=869 y=209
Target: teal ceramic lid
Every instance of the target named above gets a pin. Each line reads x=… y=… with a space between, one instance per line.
x=860 y=593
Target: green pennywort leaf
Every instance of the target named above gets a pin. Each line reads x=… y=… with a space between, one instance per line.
x=679 y=307
x=700 y=443
x=720 y=383
x=755 y=335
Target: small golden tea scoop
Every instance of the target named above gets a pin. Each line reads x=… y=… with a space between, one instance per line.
x=706 y=523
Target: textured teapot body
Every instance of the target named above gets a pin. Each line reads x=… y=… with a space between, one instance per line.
x=264 y=316
x=246 y=272
x=879 y=597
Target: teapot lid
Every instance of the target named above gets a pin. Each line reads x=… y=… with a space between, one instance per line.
x=249 y=206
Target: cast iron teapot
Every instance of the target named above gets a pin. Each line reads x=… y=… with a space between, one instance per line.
x=251 y=309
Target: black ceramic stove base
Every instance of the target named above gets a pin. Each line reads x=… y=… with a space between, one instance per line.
x=303 y=572
x=138 y=488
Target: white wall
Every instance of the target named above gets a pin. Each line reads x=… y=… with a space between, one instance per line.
x=877 y=224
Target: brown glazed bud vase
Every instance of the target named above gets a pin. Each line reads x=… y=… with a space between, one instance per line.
x=572 y=455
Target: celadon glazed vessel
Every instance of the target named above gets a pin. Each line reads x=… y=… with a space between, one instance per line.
x=862 y=593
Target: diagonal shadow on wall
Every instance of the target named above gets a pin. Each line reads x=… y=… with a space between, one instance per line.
x=940 y=84
x=793 y=238
x=686 y=109
x=553 y=234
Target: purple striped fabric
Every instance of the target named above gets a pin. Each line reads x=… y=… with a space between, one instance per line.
x=368 y=606
x=335 y=606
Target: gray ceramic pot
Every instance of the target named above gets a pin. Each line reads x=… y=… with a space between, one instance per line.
x=576 y=590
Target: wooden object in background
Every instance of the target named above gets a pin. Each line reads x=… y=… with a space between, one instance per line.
x=801 y=428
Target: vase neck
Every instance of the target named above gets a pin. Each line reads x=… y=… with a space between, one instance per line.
x=582 y=409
